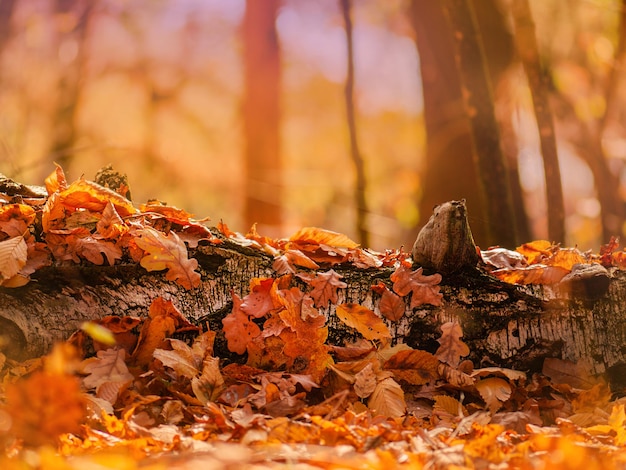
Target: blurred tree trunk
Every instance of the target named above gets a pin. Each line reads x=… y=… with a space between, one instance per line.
x=449 y=171
x=261 y=113
x=357 y=158
x=6 y=14
x=529 y=54
x=73 y=18
x=477 y=95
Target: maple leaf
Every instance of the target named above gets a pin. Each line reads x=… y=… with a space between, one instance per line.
x=13 y=253
x=451 y=347
x=363 y=320
x=325 y=286
x=107 y=373
x=167 y=252
x=413 y=366
x=239 y=330
x=425 y=289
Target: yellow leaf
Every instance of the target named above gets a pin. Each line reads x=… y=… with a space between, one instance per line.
x=13 y=253
x=363 y=320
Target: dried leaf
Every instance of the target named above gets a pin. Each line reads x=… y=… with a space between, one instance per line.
x=287 y=262
x=325 y=286
x=89 y=195
x=258 y=302
x=56 y=180
x=318 y=236
x=425 y=289
x=239 y=330
x=363 y=320
x=13 y=253
x=494 y=391
x=391 y=306
x=414 y=366
x=167 y=252
x=365 y=381
x=387 y=399
x=210 y=383
x=452 y=348
x=107 y=366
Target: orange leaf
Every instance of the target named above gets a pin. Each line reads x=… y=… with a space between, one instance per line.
x=452 y=348
x=173 y=214
x=167 y=252
x=89 y=195
x=413 y=366
x=15 y=218
x=285 y=263
x=494 y=391
x=536 y=251
x=388 y=399
x=56 y=180
x=239 y=330
x=363 y=320
x=111 y=225
x=318 y=236
x=258 y=302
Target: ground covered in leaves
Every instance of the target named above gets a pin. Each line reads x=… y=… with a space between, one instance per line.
x=150 y=392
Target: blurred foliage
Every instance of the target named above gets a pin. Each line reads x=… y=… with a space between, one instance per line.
x=158 y=90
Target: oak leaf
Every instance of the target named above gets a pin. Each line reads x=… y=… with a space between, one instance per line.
x=287 y=262
x=425 y=289
x=172 y=214
x=167 y=252
x=239 y=330
x=363 y=320
x=325 y=287
x=451 y=347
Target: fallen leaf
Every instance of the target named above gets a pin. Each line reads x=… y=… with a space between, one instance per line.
x=413 y=366
x=56 y=180
x=317 y=236
x=494 y=391
x=387 y=399
x=325 y=287
x=13 y=253
x=287 y=262
x=363 y=320
x=209 y=384
x=365 y=381
x=107 y=373
x=258 y=302
x=391 y=306
x=451 y=347
x=239 y=330
x=89 y=195
x=167 y=252
x=425 y=289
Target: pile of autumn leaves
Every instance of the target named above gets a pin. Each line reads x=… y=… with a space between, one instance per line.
x=129 y=383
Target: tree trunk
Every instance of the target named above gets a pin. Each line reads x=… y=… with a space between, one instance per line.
x=477 y=96
x=355 y=153
x=503 y=324
x=449 y=171
x=261 y=112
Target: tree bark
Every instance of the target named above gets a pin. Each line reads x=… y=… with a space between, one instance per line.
x=503 y=324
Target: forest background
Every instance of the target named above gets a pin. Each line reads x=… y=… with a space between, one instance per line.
x=242 y=111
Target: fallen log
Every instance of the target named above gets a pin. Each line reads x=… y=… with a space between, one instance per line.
x=503 y=324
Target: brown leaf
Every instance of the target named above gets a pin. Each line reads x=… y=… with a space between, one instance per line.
x=494 y=391
x=387 y=399
x=413 y=366
x=452 y=348
x=391 y=306
x=56 y=180
x=365 y=381
x=363 y=320
x=287 y=262
x=425 y=289
x=108 y=367
x=111 y=225
x=210 y=383
x=325 y=286
x=317 y=236
x=167 y=252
